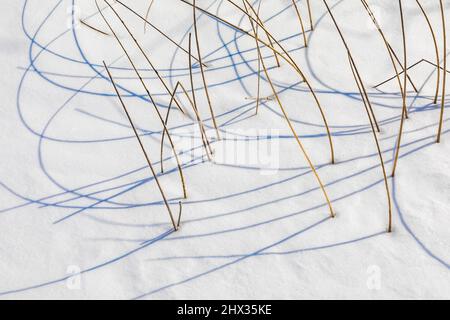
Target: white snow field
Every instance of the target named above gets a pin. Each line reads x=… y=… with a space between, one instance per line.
x=81 y=216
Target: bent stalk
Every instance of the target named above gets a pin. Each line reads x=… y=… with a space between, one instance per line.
x=208 y=98
x=291 y=127
x=180 y=170
x=380 y=155
x=405 y=79
x=441 y=120
x=438 y=61
x=166 y=203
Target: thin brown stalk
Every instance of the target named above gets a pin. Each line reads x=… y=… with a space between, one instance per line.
x=400 y=73
x=180 y=170
x=412 y=66
x=310 y=16
x=386 y=43
x=380 y=155
x=155 y=28
x=301 y=22
x=405 y=79
x=144 y=54
x=93 y=28
x=434 y=64
x=291 y=127
x=258 y=89
x=275 y=54
x=239 y=29
x=433 y=34
x=401 y=64
x=205 y=139
x=166 y=121
x=441 y=120
x=285 y=56
x=354 y=64
x=172 y=98
x=142 y=148
x=205 y=85
x=179 y=214
x=289 y=58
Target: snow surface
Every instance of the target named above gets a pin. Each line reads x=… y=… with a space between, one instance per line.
x=81 y=216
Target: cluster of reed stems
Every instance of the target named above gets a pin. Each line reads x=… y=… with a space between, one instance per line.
x=279 y=52
x=268 y=36
x=283 y=110
x=386 y=43
x=405 y=68
x=284 y=54
x=154 y=27
x=369 y=111
x=203 y=134
x=155 y=176
x=180 y=170
x=173 y=99
x=437 y=64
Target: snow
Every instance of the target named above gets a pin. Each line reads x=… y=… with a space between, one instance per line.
x=81 y=216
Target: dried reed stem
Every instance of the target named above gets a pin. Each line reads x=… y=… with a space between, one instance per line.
x=432 y=63
x=438 y=81
x=288 y=60
x=259 y=57
x=391 y=52
x=145 y=55
x=401 y=72
x=142 y=148
x=302 y=148
x=286 y=57
x=172 y=98
x=386 y=43
x=441 y=120
x=407 y=75
x=310 y=16
x=166 y=121
x=301 y=22
x=275 y=54
x=205 y=85
x=179 y=214
x=155 y=27
x=205 y=139
x=93 y=28
x=296 y=68
x=380 y=155
x=354 y=65
x=180 y=170
x=405 y=79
